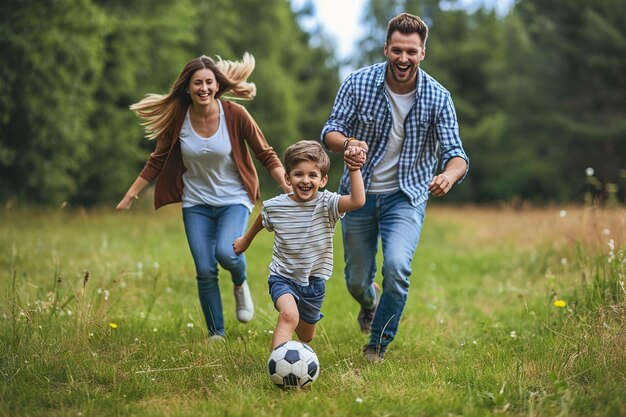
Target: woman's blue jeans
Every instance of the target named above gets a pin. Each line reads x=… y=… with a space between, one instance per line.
x=398 y=224
x=211 y=232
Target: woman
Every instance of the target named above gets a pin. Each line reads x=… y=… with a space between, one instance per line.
x=202 y=159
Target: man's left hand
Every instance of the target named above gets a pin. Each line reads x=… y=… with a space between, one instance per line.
x=440 y=185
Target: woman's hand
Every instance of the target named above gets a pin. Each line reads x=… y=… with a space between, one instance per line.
x=126 y=202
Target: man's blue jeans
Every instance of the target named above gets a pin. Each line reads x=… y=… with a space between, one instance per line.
x=211 y=232
x=398 y=224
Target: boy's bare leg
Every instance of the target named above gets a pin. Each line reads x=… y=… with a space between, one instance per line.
x=288 y=318
x=306 y=331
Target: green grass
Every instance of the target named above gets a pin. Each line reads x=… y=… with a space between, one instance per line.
x=480 y=334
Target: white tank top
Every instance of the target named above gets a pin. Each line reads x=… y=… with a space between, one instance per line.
x=211 y=177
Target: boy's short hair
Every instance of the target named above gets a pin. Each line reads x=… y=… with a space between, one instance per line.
x=306 y=150
x=407 y=23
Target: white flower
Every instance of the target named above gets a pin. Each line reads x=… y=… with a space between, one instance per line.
x=359 y=400
x=562 y=213
x=190 y=325
x=589 y=172
x=513 y=334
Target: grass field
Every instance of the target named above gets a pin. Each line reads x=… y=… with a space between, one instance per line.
x=514 y=312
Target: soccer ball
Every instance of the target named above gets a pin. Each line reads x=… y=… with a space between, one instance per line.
x=293 y=365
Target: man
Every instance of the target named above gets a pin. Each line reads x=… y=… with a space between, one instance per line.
x=406 y=121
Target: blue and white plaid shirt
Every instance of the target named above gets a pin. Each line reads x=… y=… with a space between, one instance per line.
x=362 y=110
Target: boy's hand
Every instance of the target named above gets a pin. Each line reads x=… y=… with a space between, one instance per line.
x=240 y=245
x=355 y=156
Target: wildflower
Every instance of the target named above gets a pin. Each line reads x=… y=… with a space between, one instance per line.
x=113 y=325
x=190 y=325
x=559 y=303
x=359 y=400
x=513 y=334
x=589 y=172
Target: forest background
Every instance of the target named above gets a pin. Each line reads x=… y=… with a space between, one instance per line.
x=540 y=92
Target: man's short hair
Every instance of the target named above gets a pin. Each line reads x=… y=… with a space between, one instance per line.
x=406 y=24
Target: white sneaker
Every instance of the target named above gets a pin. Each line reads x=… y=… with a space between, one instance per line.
x=216 y=338
x=243 y=303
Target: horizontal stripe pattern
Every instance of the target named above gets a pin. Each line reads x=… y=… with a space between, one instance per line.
x=303 y=235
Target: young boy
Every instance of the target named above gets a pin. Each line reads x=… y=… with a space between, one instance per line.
x=303 y=223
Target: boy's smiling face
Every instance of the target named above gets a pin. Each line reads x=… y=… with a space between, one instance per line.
x=306 y=179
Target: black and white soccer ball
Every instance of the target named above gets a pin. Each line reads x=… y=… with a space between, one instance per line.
x=293 y=365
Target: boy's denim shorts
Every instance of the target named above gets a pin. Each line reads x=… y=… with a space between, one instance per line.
x=309 y=298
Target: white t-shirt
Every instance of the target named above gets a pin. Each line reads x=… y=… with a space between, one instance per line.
x=211 y=177
x=303 y=235
x=385 y=173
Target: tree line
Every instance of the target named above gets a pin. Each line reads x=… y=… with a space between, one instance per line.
x=540 y=92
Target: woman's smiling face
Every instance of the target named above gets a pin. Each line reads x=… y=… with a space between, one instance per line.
x=202 y=87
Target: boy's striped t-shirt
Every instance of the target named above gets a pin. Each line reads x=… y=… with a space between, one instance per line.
x=303 y=241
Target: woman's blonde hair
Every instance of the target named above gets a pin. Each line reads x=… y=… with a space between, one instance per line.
x=160 y=112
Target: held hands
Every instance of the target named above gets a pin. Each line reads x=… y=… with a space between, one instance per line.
x=440 y=185
x=355 y=154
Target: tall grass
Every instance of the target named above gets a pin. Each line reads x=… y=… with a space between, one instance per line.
x=514 y=312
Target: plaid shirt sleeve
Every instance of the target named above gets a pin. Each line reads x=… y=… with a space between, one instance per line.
x=344 y=112
x=447 y=134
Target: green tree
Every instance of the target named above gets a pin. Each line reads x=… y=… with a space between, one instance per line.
x=50 y=67
x=146 y=47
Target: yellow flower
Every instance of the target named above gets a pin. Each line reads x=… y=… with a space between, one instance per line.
x=559 y=303
x=113 y=325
